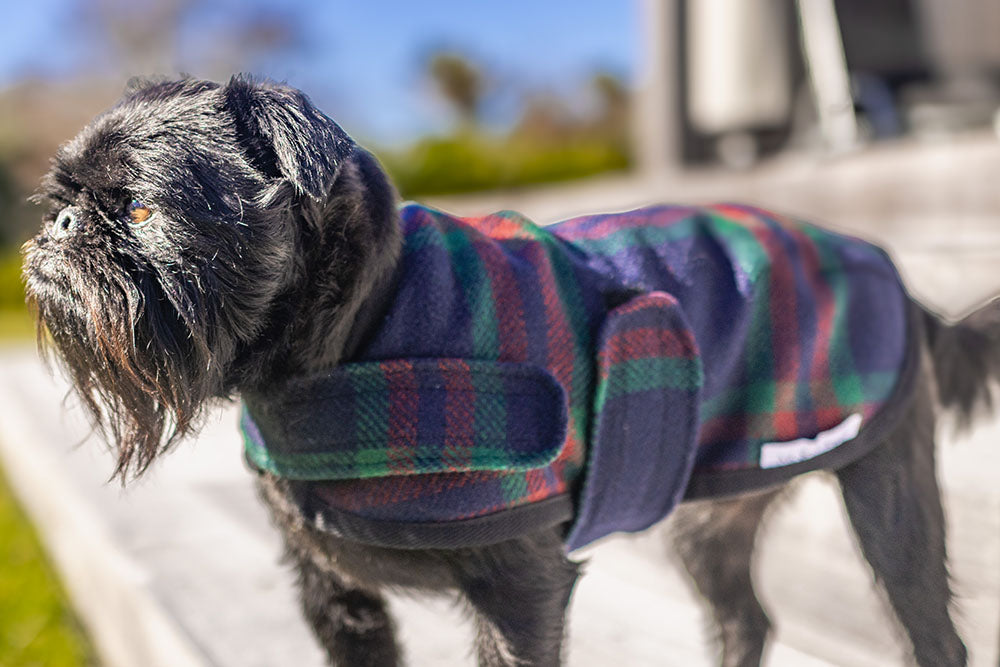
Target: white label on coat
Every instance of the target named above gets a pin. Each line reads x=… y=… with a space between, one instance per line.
x=776 y=454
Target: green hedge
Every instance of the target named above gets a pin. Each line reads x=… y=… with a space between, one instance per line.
x=471 y=162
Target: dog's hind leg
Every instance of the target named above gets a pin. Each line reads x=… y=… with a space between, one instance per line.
x=715 y=541
x=518 y=592
x=893 y=502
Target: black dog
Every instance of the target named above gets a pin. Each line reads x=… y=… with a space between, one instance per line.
x=207 y=240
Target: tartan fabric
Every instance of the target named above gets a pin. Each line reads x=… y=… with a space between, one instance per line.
x=409 y=417
x=798 y=327
x=681 y=342
x=646 y=407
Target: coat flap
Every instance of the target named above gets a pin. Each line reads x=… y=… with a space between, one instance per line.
x=645 y=419
x=408 y=417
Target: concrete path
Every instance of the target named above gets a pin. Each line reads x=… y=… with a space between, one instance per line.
x=182 y=568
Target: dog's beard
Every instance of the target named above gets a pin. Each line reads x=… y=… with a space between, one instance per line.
x=135 y=345
x=256 y=242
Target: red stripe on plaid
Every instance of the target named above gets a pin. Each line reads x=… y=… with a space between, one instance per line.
x=720 y=429
x=559 y=345
x=638 y=304
x=558 y=333
x=508 y=305
x=647 y=343
x=751 y=426
x=827 y=418
x=403 y=406
x=459 y=414
x=356 y=495
x=617 y=223
x=737 y=213
x=823 y=295
x=359 y=495
x=785 y=424
x=504 y=226
x=538 y=487
x=785 y=343
x=782 y=304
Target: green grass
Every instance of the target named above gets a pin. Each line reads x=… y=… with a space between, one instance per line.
x=37 y=626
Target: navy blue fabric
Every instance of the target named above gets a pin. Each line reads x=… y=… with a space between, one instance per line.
x=646 y=420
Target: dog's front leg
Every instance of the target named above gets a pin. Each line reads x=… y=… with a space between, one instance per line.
x=352 y=624
x=349 y=618
x=518 y=592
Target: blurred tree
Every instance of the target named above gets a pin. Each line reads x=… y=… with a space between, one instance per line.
x=150 y=35
x=613 y=101
x=460 y=82
x=143 y=34
x=35 y=117
x=546 y=118
x=554 y=138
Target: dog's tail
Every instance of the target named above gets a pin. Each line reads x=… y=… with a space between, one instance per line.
x=966 y=358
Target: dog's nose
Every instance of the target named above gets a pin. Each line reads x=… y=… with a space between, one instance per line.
x=66 y=223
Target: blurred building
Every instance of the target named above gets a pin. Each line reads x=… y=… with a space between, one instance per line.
x=736 y=80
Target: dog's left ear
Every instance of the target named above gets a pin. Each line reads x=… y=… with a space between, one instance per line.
x=285 y=136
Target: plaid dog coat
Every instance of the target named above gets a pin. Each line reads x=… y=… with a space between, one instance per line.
x=592 y=373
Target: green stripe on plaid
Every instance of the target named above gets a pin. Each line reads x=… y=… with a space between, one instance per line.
x=580 y=331
x=635 y=375
x=757 y=398
x=372 y=461
x=646 y=237
x=478 y=290
x=421 y=238
x=759 y=353
x=372 y=423
x=877 y=386
x=742 y=246
x=514 y=489
x=490 y=408
x=750 y=398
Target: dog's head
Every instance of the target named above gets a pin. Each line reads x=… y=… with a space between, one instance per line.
x=173 y=228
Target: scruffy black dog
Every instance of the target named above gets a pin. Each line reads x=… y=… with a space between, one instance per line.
x=206 y=240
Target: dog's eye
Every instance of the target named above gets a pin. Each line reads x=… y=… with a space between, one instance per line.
x=137 y=212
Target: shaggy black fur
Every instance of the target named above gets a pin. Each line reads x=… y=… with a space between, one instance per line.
x=271 y=240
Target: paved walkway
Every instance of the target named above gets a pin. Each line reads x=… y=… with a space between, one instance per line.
x=181 y=569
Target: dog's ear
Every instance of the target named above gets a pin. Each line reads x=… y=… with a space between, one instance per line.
x=285 y=136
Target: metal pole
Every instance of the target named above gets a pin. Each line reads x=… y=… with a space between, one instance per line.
x=658 y=124
x=823 y=51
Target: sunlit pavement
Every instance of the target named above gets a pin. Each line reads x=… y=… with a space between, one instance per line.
x=182 y=567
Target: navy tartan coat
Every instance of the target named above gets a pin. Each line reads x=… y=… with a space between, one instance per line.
x=592 y=373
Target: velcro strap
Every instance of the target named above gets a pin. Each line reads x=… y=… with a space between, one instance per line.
x=645 y=419
x=408 y=417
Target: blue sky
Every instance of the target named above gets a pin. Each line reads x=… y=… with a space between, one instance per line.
x=363 y=60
